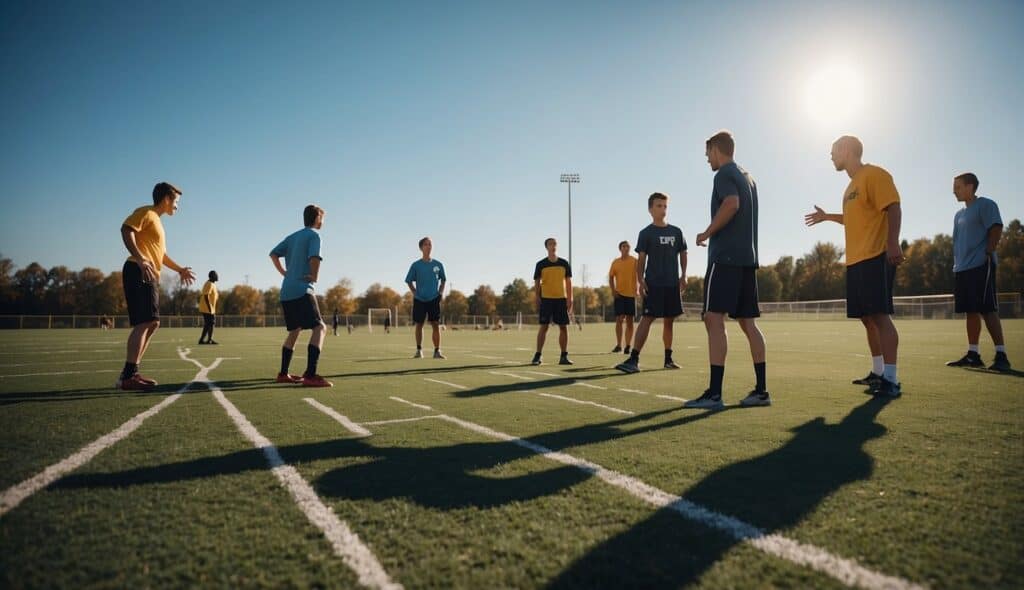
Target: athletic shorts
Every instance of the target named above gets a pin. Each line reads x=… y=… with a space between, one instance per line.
x=142 y=297
x=625 y=306
x=423 y=310
x=975 y=289
x=302 y=312
x=554 y=310
x=869 y=287
x=732 y=290
x=663 y=302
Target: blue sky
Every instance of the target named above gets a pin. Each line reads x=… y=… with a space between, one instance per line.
x=454 y=120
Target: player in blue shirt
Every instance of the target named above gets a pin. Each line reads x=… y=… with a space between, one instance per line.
x=426 y=281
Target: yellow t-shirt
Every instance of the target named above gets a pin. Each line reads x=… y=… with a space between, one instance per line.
x=865 y=220
x=552 y=277
x=624 y=271
x=209 y=289
x=149 y=235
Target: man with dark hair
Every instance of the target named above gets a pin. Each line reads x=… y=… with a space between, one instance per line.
x=730 y=283
x=208 y=307
x=552 y=282
x=661 y=262
x=871 y=220
x=622 y=280
x=301 y=251
x=426 y=281
x=143 y=236
x=976 y=232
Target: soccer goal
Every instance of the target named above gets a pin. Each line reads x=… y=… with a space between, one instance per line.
x=383 y=316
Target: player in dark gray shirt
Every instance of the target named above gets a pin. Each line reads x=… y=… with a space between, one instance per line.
x=730 y=284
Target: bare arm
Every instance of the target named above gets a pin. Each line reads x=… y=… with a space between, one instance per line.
x=893 y=251
x=611 y=282
x=568 y=291
x=184 y=272
x=412 y=287
x=208 y=304
x=440 y=290
x=819 y=215
x=730 y=205
x=536 y=290
x=641 y=263
x=682 y=269
x=148 y=271
x=314 y=269
x=994 y=234
x=277 y=263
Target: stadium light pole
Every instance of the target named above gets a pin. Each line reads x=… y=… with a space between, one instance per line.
x=569 y=180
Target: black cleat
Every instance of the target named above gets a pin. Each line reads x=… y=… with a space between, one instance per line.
x=971 y=359
x=886 y=388
x=536 y=359
x=1001 y=363
x=871 y=379
x=671 y=364
x=629 y=366
x=564 y=360
x=617 y=348
x=626 y=350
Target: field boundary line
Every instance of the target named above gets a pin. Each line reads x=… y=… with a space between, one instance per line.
x=455 y=385
x=590 y=385
x=589 y=403
x=339 y=418
x=415 y=405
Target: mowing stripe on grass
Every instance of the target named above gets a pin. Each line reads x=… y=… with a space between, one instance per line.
x=513 y=375
x=15 y=494
x=455 y=385
x=339 y=418
x=586 y=403
x=420 y=406
x=845 y=570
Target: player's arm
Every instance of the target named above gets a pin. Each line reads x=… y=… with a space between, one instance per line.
x=277 y=263
x=995 y=233
x=682 y=270
x=209 y=304
x=314 y=269
x=412 y=287
x=440 y=290
x=536 y=290
x=893 y=251
x=611 y=281
x=184 y=272
x=568 y=291
x=730 y=205
x=128 y=237
x=641 y=264
x=819 y=215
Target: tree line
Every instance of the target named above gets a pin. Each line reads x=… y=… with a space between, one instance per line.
x=818 y=274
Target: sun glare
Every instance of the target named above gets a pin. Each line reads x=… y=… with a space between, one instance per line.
x=834 y=94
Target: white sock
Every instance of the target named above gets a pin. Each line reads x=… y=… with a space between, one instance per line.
x=1001 y=348
x=972 y=348
x=889 y=372
x=876 y=365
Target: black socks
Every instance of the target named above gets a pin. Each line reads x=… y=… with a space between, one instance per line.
x=717 y=373
x=759 y=376
x=312 y=356
x=129 y=370
x=286 y=359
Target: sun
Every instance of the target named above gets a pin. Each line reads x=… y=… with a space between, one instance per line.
x=834 y=94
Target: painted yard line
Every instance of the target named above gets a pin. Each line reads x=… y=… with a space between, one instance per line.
x=582 y=384
x=543 y=374
x=379 y=422
x=14 y=495
x=634 y=391
x=455 y=385
x=845 y=570
x=672 y=398
x=77 y=373
x=513 y=375
x=346 y=544
x=339 y=418
x=586 y=403
x=484 y=356
x=420 y=406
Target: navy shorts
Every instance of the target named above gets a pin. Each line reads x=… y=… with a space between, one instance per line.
x=554 y=310
x=869 y=287
x=732 y=290
x=303 y=312
x=975 y=289
x=663 y=302
x=142 y=297
x=424 y=310
x=625 y=306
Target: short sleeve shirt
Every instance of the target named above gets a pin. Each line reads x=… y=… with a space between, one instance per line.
x=624 y=271
x=428 y=275
x=552 y=277
x=662 y=246
x=296 y=250
x=865 y=220
x=149 y=235
x=209 y=290
x=736 y=243
x=970 y=233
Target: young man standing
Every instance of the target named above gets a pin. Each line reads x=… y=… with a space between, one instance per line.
x=301 y=251
x=662 y=263
x=622 y=280
x=976 y=232
x=426 y=281
x=871 y=219
x=552 y=282
x=143 y=236
x=730 y=283
x=335 y=320
x=208 y=307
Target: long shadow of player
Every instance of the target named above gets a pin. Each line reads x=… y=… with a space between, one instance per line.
x=772 y=492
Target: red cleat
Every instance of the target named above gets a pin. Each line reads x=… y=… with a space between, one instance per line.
x=144 y=379
x=285 y=378
x=134 y=383
x=316 y=381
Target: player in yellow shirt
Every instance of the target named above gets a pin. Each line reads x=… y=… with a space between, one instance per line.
x=208 y=307
x=871 y=218
x=143 y=236
x=622 y=280
x=552 y=282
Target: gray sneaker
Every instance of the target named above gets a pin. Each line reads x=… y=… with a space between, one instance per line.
x=438 y=355
x=671 y=364
x=756 y=398
x=628 y=366
x=419 y=354
x=707 y=401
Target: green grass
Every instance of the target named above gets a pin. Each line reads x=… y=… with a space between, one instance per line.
x=927 y=488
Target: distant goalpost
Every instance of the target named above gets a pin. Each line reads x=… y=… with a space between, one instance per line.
x=379 y=311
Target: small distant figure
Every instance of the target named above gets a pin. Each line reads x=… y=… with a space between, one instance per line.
x=500 y=325
x=335 y=321
x=208 y=307
x=579 y=324
x=622 y=279
x=106 y=322
x=349 y=326
x=387 y=324
x=426 y=281
x=552 y=282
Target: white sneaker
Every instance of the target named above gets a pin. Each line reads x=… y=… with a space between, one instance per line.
x=756 y=398
x=419 y=354
x=438 y=355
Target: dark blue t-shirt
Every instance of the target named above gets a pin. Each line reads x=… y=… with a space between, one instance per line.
x=736 y=243
x=662 y=246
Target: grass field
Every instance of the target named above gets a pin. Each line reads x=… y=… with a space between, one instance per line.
x=495 y=476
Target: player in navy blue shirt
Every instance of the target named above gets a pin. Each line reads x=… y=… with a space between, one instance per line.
x=426 y=281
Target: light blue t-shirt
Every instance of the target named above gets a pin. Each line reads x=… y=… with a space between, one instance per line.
x=427 y=276
x=970 y=233
x=296 y=250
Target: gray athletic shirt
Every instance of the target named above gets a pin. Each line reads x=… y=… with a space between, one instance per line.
x=970 y=233
x=662 y=246
x=736 y=243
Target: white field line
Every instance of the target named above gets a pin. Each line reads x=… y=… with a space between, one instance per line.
x=513 y=375
x=346 y=544
x=484 y=356
x=543 y=374
x=582 y=384
x=668 y=397
x=15 y=494
x=634 y=391
x=586 y=403
x=455 y=385
x=339 y=418
x=77 y=373
x=420 y=406
x=398 y=420
x=845 y=570
x=672 y=398
x=512 y=363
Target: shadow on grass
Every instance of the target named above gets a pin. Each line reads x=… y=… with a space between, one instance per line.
x=436 y=368
x=1010 y=373
x=525 y=385
x=66 y=395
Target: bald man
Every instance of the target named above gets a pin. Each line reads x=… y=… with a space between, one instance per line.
x=871 y=218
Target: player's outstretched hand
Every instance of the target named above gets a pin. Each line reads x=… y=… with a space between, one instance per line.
x=187 y=276
x=816 y=217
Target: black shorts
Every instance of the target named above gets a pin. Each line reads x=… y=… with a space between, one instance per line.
x=663 y=302
x=142 y=297
x=732 y=290
x=869 y=287
x=426 y=310
x=975 y=290
x=625 y=306
x=302 y=312
x=554 y=310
